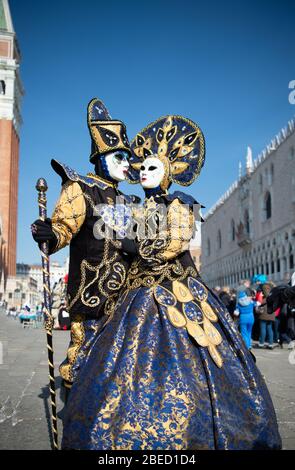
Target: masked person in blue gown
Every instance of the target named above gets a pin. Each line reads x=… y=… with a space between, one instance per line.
x=170 y=370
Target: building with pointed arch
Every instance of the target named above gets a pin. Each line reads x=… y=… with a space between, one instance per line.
x=251 y=228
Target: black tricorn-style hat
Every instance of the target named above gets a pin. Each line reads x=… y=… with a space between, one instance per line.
x=107 y=134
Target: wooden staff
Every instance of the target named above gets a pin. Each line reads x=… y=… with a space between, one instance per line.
x=42 y=187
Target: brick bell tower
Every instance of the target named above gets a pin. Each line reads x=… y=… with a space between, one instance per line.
x=11 y=92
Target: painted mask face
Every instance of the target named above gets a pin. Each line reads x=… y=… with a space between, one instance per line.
x=151 y=173
x=117 y=165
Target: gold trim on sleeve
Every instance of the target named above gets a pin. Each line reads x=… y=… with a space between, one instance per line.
x=69 y=213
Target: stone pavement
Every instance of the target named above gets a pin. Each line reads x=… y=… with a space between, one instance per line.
x=24 y=408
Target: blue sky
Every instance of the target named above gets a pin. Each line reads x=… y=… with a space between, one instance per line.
x=225 y=65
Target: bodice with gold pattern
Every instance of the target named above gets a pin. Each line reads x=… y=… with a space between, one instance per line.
x=165 y=265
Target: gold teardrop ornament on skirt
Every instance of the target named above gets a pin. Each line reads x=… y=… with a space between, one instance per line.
x=197 y=333
x=181 y=292
x=215 y=355
x=208 y=311
x=213 y=334
x=175 y=317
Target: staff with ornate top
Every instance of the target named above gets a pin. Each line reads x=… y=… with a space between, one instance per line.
x=42 y=187
x=98 y=264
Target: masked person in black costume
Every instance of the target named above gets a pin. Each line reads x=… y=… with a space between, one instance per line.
x=87 y=207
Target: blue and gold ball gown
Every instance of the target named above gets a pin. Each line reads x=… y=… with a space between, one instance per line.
x=169 y=371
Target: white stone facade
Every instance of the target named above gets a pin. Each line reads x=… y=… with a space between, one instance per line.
x=195 y=246
x=251 y=229
x=20 y=291
x=35 y=271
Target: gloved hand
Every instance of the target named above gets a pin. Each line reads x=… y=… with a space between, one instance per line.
x=129 y=246
x=42 y=232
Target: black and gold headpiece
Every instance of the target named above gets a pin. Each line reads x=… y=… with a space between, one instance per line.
x=107 y=135
x=178 y=142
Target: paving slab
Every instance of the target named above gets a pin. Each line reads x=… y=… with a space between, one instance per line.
x=24 y=400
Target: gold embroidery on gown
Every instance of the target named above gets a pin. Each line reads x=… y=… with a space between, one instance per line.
x=186 y=306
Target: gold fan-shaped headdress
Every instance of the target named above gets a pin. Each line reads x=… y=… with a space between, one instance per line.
x=178 y=143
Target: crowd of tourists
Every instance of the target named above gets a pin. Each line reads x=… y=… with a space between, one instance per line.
x=258 y=324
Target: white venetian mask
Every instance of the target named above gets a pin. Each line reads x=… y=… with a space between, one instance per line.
x=151 y=173
x=117 y=165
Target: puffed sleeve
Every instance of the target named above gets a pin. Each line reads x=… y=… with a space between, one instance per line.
x=172 y=240
x=181 y=227
x=68 y=214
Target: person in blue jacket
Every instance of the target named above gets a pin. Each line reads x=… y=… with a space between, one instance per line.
x=245 y=307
